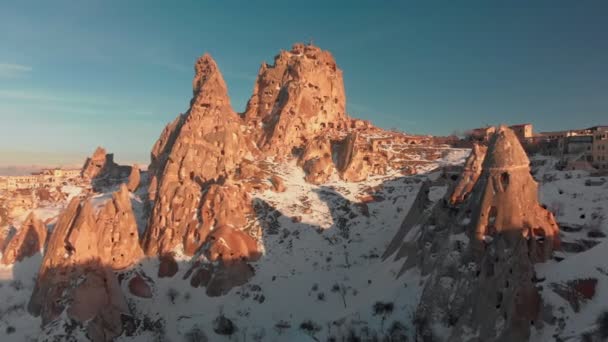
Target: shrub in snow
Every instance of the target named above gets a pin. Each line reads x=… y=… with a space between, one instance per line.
x=310 y=327
x=17 y=285
x=223 y=326
x=397 y=332
x=381 y=308
x=172 y=294
x=196 y=335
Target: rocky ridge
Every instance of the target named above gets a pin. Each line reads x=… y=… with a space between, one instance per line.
x=480 y=255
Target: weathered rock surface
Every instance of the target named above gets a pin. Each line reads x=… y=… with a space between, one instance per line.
x=227 y=244
x=278 y=184
x=223 y=205
x=101 y=165
x=480 y=259
x=139 y=287
x=160 y=152
x=206 y=148
x=73 y=277
x=508 y=199
x=96 y=163
x=118 y=238
x=353 y=164
x=470 y=174
x=317 y=160
x=6 y=234
x=296 y=99
x=134 y=179
x=230 y=252
x=29 y=240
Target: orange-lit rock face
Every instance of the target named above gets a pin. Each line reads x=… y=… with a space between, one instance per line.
x=118 y=243
x=95 y=164
x=73 y=276
x=317 y=160
x=134 y=179
x=228 y=244
x=353 y=164
x=28 y=241
x=296 y=99
x=505 y=198
x=223 y=205
x=160 y=153
x=470 y=174
x=101 y=165
x=229 y=251
x=77 y=269
x=278 y=184
x=205 y=148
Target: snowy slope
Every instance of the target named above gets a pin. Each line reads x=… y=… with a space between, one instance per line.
x=321 y=276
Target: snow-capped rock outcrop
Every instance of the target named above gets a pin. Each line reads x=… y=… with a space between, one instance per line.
x=74 y=279
x=29 y=240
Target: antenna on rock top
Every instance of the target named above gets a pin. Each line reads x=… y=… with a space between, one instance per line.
x=310 y=42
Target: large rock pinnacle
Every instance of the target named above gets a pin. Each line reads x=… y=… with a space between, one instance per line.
x=296 y=99
x=506 y=198
x=480 y=256
x=200 y=148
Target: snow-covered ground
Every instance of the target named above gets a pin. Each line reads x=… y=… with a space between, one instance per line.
x=582 y=213
x=321 y=275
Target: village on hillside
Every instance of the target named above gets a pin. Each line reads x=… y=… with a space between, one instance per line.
x=577 y=149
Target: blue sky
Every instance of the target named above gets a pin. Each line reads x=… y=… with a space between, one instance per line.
x=77 y=74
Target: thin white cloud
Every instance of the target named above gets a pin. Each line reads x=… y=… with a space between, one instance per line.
x=13 y=70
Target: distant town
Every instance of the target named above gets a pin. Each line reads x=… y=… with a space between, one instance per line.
x=43 y=178
x=578 y=149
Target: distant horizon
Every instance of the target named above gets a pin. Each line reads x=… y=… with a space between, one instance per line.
x=69 y=82
x=77 y=161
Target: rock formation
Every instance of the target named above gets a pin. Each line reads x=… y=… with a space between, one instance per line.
x=278 y=184
x=202 y=147
x=352 y=162
x=229 y=251
x=470 y=174
x=101 y=165
x=77 y=271
x=73 y=277
x=134 y=179
x=296 y=99
x=508 y=198
x=480 y=258
x=160 y=152
x=29 y=240
x=317 y=160
x=118 y=238
x=227 y=205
